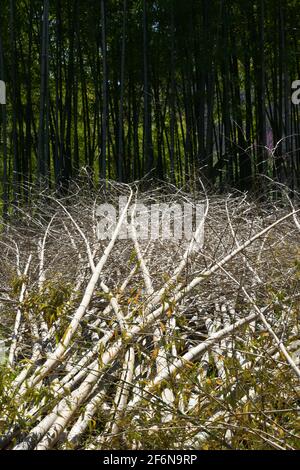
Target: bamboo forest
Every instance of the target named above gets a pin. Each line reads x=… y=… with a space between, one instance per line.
x=149 y=226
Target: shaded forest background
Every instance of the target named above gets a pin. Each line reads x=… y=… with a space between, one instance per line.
x=126 y=89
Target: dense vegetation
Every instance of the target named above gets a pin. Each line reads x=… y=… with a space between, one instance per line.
x=149 y=343
x=127 y=88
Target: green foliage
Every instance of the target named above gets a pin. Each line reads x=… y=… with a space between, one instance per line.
x=51 y=301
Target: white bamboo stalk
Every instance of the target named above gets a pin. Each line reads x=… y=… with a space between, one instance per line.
x=71 y=329
x=114 y=350
x=13 y=346
x=250 y=395
x=82 y=423
x=109 y=355
x=42 y=277
x=161 y=359
x=272 y=333
x=123 y=390
x=192 y=355
x=216 y=352
x=69 y=405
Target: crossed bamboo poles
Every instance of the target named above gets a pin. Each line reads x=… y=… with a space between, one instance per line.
x=82 y=383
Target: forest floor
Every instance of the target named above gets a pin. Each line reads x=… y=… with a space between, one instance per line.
x=131 y=343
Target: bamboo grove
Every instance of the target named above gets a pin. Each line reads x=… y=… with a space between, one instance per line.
x=125 y=89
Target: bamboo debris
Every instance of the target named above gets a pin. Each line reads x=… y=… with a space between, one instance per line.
x=141 y=316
